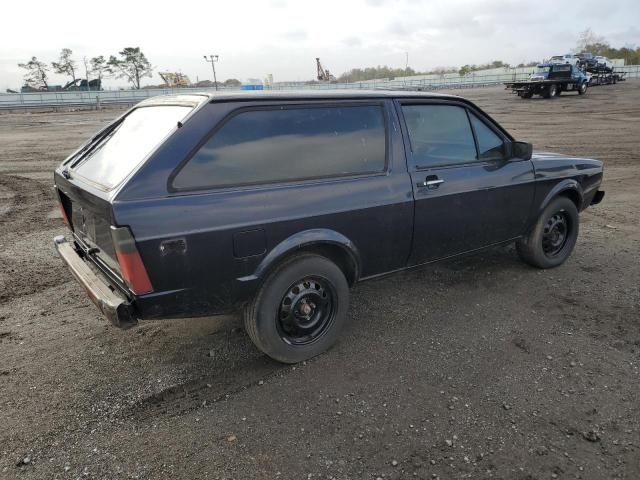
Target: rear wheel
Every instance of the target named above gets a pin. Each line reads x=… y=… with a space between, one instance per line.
x=549 y=91
x=551 y=240
x=300 y=310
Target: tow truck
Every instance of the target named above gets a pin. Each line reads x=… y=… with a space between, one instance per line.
x=550 y=80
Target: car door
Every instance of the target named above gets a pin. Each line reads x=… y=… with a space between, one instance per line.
x=462 y=195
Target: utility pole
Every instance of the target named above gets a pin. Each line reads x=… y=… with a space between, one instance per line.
x=406 y=63
x=212 y=59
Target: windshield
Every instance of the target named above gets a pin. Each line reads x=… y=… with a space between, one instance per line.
x=543 y=69
x=117 y=154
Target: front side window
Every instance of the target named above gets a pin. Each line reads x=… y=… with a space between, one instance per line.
x=490 y=145
x=266 y=146
x=439 y=135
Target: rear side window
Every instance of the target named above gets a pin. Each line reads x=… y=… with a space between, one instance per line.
x=439 y=135
x=490 y=145
x=266 y=146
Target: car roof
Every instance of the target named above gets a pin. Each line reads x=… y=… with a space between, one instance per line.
x=328 y=93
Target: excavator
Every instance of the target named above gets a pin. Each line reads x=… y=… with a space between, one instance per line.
x=323 y=75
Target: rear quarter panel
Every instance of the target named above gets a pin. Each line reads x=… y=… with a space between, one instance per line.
x=374 y=212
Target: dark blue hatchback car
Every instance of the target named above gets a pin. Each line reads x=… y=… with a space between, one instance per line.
x=276 y=203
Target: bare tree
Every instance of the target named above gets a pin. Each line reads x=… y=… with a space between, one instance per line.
x=586 y=38
x=132 y=65
x=36 y=75
x=87 y=68
x=66 y=65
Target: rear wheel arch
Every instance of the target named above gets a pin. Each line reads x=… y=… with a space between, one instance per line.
x=338 y=255
x=327 y=243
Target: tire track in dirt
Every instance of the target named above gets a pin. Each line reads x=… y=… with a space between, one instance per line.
x=201 y=393
x=28 y=207
x=25 y=216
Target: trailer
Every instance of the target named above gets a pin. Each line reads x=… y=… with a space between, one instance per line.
x=550 y=80
x=603 y=72
x=605 y=78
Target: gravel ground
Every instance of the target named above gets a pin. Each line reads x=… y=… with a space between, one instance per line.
x=479 y=367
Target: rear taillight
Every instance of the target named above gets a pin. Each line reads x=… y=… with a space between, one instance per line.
x=65 y=218
x=65 y=207
x=131 y=266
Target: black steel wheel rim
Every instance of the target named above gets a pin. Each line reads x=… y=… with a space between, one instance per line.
x=555 y=233
x=306 y=311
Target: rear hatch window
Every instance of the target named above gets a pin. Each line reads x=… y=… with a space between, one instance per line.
x=112 y=156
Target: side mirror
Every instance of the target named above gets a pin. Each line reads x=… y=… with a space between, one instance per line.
x=522 y=150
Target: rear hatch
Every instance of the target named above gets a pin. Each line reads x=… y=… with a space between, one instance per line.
x=87 y=181
x=90 y=218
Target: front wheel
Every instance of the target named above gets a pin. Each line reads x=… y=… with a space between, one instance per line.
x=300 y=310
x=582 y=89
x=552 y=238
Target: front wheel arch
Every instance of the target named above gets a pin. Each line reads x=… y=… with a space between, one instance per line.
x=567 y=188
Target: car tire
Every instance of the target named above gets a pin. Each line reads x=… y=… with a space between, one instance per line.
x=553 y=237
x=300 y=310
x=550 y=91
x=582 y=89
x=526 y=95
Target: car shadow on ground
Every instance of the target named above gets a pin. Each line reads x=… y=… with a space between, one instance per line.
x=216 y=358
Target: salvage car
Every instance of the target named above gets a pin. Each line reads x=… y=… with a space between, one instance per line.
x=275 y=204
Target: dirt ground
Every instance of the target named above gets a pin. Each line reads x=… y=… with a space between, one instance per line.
x=480 y=367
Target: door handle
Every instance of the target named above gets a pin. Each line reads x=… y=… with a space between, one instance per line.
x=432 y=181
x=429 y=183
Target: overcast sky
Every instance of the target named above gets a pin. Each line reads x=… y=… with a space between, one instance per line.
x=283 y=37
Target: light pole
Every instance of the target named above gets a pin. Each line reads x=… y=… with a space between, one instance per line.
x=212 y=59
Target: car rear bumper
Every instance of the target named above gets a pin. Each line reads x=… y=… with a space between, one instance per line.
x=111 y=303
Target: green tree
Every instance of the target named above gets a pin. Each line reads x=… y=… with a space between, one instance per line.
x=589 y=42
x=465 y=70
x=232 y=82
x=375 y=73
x=37 y=73
x=65 y=65
x=132 y=65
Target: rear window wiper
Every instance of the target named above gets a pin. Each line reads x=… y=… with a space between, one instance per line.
x=88 y=145
x=96 y=142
